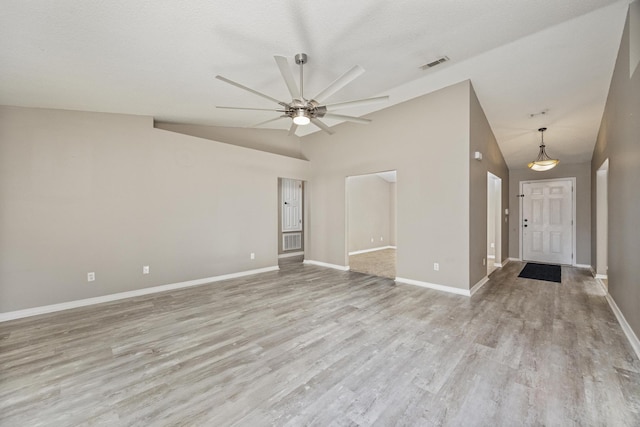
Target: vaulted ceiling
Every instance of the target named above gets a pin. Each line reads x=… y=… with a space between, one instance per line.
x=159 y=58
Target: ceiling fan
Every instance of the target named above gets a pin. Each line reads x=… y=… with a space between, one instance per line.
x=302 y=110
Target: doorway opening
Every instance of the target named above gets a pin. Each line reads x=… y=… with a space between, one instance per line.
x=494 y=222
x=602 y=228
x=290 y=221
x=547 y=221
x=371 y=223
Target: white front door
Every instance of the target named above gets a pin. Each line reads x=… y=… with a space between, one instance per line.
x=547 y=221
x=291 y=205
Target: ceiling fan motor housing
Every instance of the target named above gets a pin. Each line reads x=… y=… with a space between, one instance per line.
x=301 y=58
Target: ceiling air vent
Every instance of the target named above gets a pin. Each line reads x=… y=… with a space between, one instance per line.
x=434 y=63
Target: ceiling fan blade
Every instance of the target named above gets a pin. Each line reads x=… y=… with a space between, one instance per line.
x=357 y=103
x=248 y=89
x=339 y=83
x=322 y=126
x=248 y=108
x=347 y=118
x=293 y=129
x=287 y=75
x=268 y=121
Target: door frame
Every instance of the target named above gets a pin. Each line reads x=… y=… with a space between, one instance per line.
x=495 y=195
x=602 y=220
x=573 y=213
x=393 y=222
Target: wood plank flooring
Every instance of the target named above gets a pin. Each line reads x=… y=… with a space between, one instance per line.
x=315 y=346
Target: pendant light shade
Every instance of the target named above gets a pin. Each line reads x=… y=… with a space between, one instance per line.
x=543 y=162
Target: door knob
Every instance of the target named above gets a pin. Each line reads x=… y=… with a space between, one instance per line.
x=525 y=225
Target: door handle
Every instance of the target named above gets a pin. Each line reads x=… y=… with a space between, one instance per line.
x=525 y=225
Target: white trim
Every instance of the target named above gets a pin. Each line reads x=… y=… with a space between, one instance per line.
x=442 y=288
x=475 y=288
x=587 y=266
x=364 y=251
x=491 y=257
x=497 y=264
x=18 y=314
x=626 y=328
x=326 y=264
x=514 y=259
x=598 y=276
x=574 y=215
x=604 y=288
x=505 y=262
x=290 y=254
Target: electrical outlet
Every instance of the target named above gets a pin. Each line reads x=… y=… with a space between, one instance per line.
x=436 y=266
x=381 y=239
x=145 y=269
x=493 y=245
x=91 y=277
x=484 y=261
x=372 y=240
x=253 y=256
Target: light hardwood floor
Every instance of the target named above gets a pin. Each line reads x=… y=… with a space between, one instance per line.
x=314 y=346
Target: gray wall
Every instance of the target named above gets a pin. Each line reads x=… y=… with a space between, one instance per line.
x=482 y=139
x=582 y=173
x=427 y=141
x=274 y=141
x=369 y=212
x=108 y=193
x=619 y=141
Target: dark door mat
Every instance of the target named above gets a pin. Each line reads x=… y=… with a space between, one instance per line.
x=547 y=272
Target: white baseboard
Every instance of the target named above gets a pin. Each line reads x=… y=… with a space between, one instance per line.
x=290 y=254
x=326 y=264
x=582 y=266
x=601 y=276
x=18 y=314
x=364 y=251
x=514 y=259
x=475 y=288
x=491 y=257
x=443 y=288
x=503 y=263
x=626 y=328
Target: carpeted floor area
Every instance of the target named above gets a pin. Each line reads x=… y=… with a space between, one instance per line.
x=380 y=263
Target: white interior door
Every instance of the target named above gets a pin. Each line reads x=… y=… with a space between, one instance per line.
x=547 y=221
x=291 y=205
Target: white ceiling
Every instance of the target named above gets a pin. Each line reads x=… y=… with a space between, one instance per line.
x=159 y=58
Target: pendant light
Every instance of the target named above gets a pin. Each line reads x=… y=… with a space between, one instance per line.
x=543 y=162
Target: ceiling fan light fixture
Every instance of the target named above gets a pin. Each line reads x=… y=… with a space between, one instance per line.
x=302 y=110
x=543 y=162
x=301 y=118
